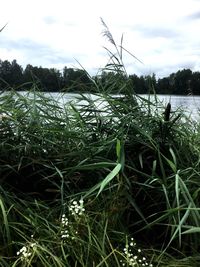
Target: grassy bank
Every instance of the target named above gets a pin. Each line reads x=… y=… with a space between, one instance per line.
x=81 y=186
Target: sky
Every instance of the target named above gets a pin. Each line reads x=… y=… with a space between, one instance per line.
x=163 y=34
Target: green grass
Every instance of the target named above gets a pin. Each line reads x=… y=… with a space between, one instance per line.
x=137 y=174
x=132 y=162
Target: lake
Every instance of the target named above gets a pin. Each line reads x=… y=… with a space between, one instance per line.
x=190 y=104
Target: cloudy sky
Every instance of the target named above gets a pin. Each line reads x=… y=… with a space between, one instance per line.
x=163 y=34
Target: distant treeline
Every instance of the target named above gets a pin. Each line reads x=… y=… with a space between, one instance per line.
x=12 y=75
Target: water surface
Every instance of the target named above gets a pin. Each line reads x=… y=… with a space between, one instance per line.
x=189 y=104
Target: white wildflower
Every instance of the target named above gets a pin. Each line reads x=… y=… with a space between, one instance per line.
x=76 y=208
x=133 y=259
x=26 y=251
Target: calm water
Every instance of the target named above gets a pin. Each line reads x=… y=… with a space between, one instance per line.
x=190 y=104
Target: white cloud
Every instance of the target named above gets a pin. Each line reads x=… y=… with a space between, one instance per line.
x=163 y=34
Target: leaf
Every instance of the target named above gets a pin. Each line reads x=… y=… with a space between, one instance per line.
x=118 y=149
x=120 y=153
x=192 y=230
x=171 y=164
x=101 y=185
x=109 y=177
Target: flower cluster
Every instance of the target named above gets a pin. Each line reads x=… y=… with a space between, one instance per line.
x=132 y=256
x=26 y=251
x=64 y=222
x=76 y=209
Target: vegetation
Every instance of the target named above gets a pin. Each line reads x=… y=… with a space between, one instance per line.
x=12 y=75
x=98 y=181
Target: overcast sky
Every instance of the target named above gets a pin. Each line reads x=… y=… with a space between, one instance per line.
x=163 y=34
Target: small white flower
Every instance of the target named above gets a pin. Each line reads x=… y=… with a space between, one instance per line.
x=77 y=209
x=81 y=201
x=26 y=251
x=33 y=245
x=133 y=259
x=65 y=236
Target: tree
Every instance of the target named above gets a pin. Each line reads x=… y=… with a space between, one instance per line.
x=182 y=80
x=75 y=80
x=29 y=76
x=150 y=83
x=163 y=86
x=194 y=83
x=46 y=79
x=138 y=83
x=16 y=78
x=11 y=74
x=5 y=74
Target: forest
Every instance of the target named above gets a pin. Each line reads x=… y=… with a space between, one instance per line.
x=12 y=75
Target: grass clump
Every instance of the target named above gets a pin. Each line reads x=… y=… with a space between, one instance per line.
x=69 y=235
x=78 y=182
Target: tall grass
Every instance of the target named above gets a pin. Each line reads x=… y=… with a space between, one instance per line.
x=103 y=181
